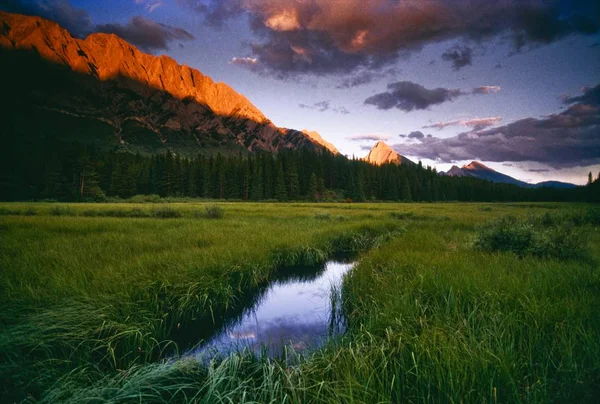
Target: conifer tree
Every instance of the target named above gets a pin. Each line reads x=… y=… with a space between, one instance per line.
x=313 y=188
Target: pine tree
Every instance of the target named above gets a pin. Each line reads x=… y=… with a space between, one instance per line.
x=313 y=188
x=406 y=194
x=245 y=180
x=280 y=193
x=590 y=178
x=293 y=184
x=257 y=182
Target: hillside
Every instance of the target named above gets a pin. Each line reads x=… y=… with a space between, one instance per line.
x=106 y=91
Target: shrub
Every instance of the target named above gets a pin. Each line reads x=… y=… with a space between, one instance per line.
x=214 y=211
x=542 y=237
x=323 y=216
x=152 y=198
x=165 y=212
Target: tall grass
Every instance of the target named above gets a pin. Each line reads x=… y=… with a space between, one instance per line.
x=93 y=303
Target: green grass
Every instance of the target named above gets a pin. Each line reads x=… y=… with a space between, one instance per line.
x=95 y=297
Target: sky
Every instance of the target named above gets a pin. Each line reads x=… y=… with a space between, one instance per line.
x=512 y=83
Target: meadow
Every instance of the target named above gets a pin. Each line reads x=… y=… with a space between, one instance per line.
x=453 y=302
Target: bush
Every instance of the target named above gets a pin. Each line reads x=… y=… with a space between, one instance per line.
x=542 y=237
x=152 y=198
x=165 y=212
x=214 y=211
x=323 y=216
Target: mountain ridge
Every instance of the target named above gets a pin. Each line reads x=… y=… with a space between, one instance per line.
x=130 y=94
x=476 y=169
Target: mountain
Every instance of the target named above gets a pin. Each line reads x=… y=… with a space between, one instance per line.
x=104 y=90
x=381 y=153
x=475 y=169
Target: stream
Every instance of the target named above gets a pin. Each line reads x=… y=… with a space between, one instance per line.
x=301 y=310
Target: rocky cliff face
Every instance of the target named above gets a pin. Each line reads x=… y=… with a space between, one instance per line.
x=381 y=153
x=149 y=102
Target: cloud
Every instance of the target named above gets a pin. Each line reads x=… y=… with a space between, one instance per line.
x=146 y=34
x=408 y=96
x=591 y=96
x=367 y=138
x=150 y=5
x=340 y=37
x=475 y=123
x=365 y=77
x=356 y=80
x=417 y=134
x=562 y=140
x=459 y=56
x=75 y=20
x=243 y=61
x=323 y=106
x=538 y=170
x=486 y=89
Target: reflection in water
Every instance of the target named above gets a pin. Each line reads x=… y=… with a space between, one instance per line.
x=295 y=312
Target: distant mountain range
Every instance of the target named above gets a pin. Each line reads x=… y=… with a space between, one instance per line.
x=381 y=153
x=476 y=169
x=103 y=90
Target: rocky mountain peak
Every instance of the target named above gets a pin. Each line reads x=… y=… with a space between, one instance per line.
x=381 y=153
x=476 y=165
x=149 y=103
x=319 y=139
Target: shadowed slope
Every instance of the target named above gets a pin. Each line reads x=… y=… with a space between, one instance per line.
x=148 y=103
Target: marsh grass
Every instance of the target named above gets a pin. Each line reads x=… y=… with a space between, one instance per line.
x=93 y=305
x=214 y=212
x=544 y=236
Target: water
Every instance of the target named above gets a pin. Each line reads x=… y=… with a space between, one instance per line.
x=294 y=312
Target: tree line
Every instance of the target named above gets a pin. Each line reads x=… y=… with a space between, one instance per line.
x=77 y=172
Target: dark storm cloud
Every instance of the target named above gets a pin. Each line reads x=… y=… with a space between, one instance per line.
x=328 y=37
x=146 y=34
x=75 y=20
x=459 y=56
x=408 y=96
x=563 y=140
